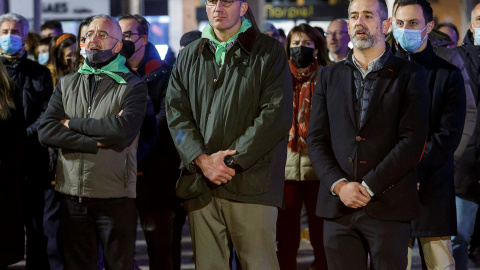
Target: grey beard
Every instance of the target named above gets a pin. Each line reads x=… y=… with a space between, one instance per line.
x=363 y=44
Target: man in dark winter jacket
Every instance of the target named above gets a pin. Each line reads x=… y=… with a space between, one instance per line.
x=94 y=118
x=160 y=212
x=229 y=110
x=447 y=115
x=36 y=88
x=439 y=42
x=467 y=174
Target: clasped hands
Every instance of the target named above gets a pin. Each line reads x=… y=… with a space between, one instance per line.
x=213 y=167
x=352 y=194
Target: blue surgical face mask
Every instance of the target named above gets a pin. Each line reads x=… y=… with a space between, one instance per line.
x=476 y=36
x=409 y=39
x=10 y=43
x=43 y=58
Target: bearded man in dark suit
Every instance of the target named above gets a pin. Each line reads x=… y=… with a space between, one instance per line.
x=367 y=133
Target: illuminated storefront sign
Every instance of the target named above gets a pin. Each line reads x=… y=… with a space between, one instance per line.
x=279 y=12
x=62 y=9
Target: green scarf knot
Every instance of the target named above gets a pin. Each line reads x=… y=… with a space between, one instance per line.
x=117 y=65
x=222 y=46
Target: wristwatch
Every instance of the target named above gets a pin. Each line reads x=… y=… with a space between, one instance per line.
x=230 y=162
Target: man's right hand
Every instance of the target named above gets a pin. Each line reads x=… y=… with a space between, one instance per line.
x=214 y=168
x=352 y=194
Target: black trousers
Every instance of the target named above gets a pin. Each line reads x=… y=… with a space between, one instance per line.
x=162 y=218
x=349 y=239
x=114 y=221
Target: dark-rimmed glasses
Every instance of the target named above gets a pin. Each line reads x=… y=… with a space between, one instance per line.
x=101 y=35
x=225 y=3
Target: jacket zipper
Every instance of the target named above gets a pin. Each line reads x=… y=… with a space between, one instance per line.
x=89 y=110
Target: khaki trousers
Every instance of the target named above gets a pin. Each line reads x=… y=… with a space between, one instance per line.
x=437 y=252
x=250 y=228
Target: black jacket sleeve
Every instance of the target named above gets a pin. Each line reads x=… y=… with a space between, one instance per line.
x=148 y=132
x=44 y=96
x=54 y=134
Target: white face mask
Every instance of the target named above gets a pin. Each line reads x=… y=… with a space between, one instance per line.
x=83 y=51
x=476 y=35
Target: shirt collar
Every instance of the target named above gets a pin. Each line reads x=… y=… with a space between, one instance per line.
x=374 y=65
x=333 y=59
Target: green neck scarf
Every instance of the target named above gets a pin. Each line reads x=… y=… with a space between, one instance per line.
x=222 y=46
x=117 y=65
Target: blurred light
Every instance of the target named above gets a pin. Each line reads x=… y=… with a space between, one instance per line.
x=162 y=50
x=158 y=19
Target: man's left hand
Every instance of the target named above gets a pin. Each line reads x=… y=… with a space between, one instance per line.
x=65 y=122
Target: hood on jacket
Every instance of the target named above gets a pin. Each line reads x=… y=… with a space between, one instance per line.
x=151 y=61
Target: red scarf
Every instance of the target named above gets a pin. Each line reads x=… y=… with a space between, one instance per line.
x=303 y=83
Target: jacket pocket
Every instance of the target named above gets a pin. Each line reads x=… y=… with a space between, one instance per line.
x=254 y=181
x=190 y=185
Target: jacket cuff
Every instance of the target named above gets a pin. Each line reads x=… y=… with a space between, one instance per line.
x=89 y=145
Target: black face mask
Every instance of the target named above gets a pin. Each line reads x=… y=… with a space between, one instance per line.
x=302 y=56
x=99 y=56
x=128 y=48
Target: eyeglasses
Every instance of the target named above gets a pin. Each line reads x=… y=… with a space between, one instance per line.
x=335 y=33
x=100 y=35
x=128 y=35
x=225 y=3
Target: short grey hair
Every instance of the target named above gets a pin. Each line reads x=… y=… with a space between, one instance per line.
x=16 y=18
x=114 y=21
x=383 y=10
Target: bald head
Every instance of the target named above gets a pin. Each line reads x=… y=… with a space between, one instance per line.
x=339 y=23
x=338 y=38
x=475 y=19
x=106 y=25
x=109 y=22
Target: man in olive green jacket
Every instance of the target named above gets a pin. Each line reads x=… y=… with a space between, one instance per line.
x=229 y=105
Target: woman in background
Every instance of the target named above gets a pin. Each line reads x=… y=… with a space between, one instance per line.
x=306 y=50
x=12 y=135
x=60 y=63
x=80 y=53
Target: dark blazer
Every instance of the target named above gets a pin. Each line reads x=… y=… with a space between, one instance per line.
x=384 y=151
x=435 y=171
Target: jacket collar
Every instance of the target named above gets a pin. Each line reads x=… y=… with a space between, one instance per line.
x=423 y=58
x=246 y=40
x=151 y=60
x=383 y=59
x=468 y=41
x=385 y=74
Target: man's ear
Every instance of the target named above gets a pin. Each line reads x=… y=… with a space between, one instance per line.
x=243 y=8
x=144 y=39
x=430 y=26
x=385 y=26
x=24 y=39
x=118 y=47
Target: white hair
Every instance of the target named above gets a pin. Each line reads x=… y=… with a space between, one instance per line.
x=16 y=18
